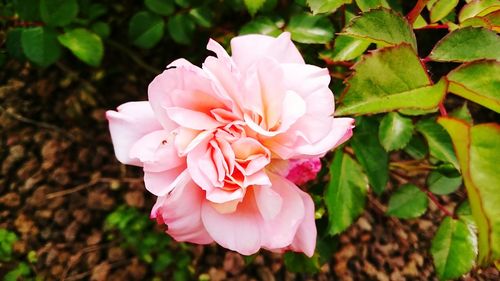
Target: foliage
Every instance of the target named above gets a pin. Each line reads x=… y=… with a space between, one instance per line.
x=139 y=234
x=7 y=240
x=397 y=84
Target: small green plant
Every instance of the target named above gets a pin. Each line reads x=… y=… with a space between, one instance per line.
x=151 y=246
x=7 y=240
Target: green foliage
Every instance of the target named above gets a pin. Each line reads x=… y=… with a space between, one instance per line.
x=151 y=246
x=366 y=5
x=454 y=249
x=298 y=262
x=84 y=44
x=370 y=153
x=478 y=151
x=146 y=29
x=254 y=5
x=20 y=272
x=58 y=12
x=346 y=48
x=465 y=83
x=439 y=141
x=262 y=25
x=7 y=240
x=442 y=184
x=475 y=43
x=441 y=8
x=326 y=6
x=181 y=28
x=346 y=193
x=407 y=202
x=395 y=131
x=40 y=45
x=161 y=7
x=403 y=85
x=381 y=26
x=310 y=29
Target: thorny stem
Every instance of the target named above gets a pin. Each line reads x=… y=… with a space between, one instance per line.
x=415 y=12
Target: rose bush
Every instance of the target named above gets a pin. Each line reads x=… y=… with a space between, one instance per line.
x=216 y=143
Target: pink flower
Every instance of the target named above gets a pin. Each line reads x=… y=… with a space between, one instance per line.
x=301 y=171
x=215 y=142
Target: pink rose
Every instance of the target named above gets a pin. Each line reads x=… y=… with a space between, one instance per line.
x=301 y=171
x=214 y=143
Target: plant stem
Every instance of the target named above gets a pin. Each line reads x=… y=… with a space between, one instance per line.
x=133 y=56
x=415 y=12
x=442 y=110
x=435 y=26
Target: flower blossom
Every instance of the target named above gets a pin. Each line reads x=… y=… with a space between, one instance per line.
x=215 y=143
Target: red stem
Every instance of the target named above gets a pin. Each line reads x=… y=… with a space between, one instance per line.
x=413 y=14
x=435 y=26
x=440 y=207
x=442 y=110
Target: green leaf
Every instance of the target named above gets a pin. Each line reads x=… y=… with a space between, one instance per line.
x=464 y=212
x=462 y=113
x=20 y=272
x=96 y=10
x=262 y=25
x=160 y=7
x=417 y=148
x=101 y=28
x=490 y=21
x=439 y=141
x=7 y=240
x=40 y=45
x=13 y=43
x=395 y=131
x=478 y=151
x=346 y=193
x=346 y=48
x=389 y=79
x=475 y=43
x=381 y=26
x=478 y=7
x=407 y=202
x=84 y=44
x=298 y=262
x=478 y=81
x=419 y=22
x=441 y=8
x=366 y=5
x=454 y=249
x=326 y=6
x=309 y=29
x=58 y=12
x=253 y=6
x=203 y=16
x=441 y=184
x=181 y=27
x=370 y=153
x=27 y=9
x=146 y=29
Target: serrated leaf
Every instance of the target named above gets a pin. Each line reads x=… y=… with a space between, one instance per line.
x=365 y=5
x=441 y=8
x=453 y=248
x=462 y=113
x=58 y=12
x=395 y=131
x=161 y=7
x=419 y=22
x=181 y=27
x=381 y=26
x=253 y=6
x=326 y=6
x=370 y=153
x=346 y=193
x=478 y=151
x=346 y=48
x=390 y=79
x=441 y=184
x=262 y=25
x=40 y=45
x=439 y=141
x=84 y=44
x=478 y=81
x=478 y=7
x=490 y=21
x=475 y=43
x=146 y=29
x=298 y=262
x=309 y=29
x=407 y=202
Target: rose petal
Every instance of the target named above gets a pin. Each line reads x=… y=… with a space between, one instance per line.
x=127 y=125
x=161 y=183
